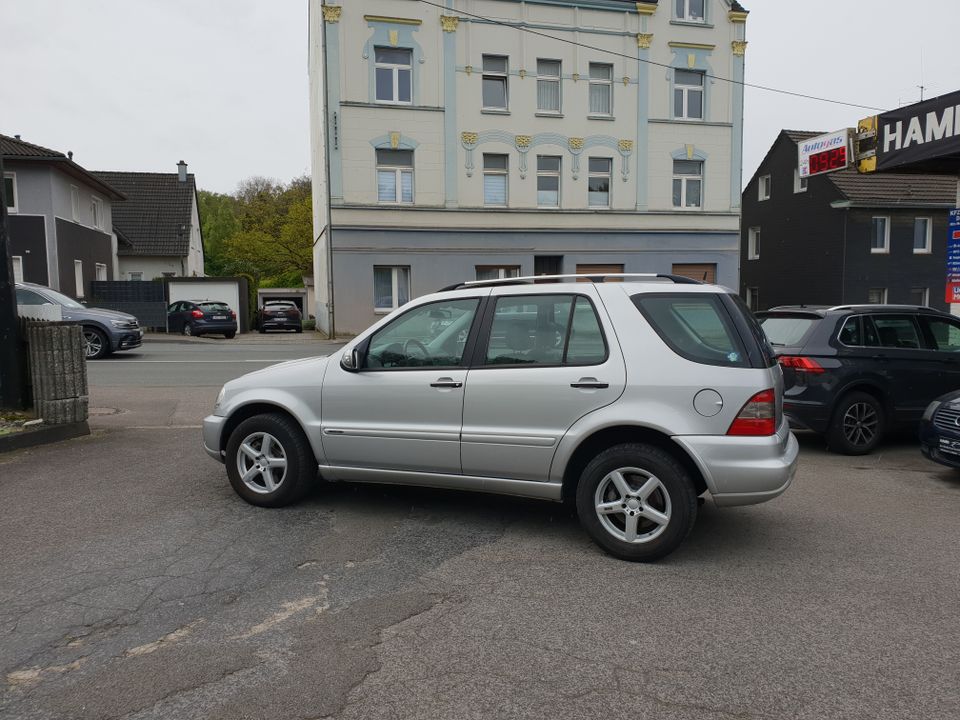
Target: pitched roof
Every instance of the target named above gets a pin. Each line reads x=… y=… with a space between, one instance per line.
x=17 y=150
x=155 y=219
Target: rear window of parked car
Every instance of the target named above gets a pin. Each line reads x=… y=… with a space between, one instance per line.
x=696 y=327
x=215 y=306
x=786 y=331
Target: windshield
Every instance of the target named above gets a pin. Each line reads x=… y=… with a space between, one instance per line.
x=55 y=297
x=786 y=331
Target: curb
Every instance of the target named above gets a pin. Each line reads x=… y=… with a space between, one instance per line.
x=42 y=435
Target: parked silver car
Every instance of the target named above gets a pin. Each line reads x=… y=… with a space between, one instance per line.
x=630 y=399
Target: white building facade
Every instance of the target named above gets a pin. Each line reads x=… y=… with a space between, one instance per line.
x=491 y=138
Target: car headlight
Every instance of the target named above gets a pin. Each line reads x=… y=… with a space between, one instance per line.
x=223 y=391
x=121 y=323
x=931 y=409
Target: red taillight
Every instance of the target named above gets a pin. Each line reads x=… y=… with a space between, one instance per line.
x=800 y=363
x=196 y=313
x=233 y=315
x=758 y=416
x=293 y=313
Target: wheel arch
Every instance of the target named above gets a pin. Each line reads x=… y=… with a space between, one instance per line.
x=604 y=438
x=865 y=386
x=244 y=412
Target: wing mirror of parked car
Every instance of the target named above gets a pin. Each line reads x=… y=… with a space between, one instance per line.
x=351 y=360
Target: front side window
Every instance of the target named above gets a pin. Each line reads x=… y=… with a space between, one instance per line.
x=753 y=243
x=687 y=183
x=10 y=191
x=495 y=74
x=433 y=335
x=598 y=182
x=29 y=297
x=944 y=333
x=545 y=330
x=548 y=180
x=497 y=272
x=922 y=237
x=394 y=75
x=764 y=187
x=495 y=180
x=548 y=86
x=880 y=237
x=391 y=287
x=688 y=94
x=691 y=10
x=395 y=176
x=696 y=327
x=601 y=89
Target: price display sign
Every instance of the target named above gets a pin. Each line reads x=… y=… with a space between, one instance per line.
x=953 y=257
x=824 y=153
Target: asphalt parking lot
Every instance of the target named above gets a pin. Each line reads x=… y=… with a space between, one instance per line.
x=135 y=584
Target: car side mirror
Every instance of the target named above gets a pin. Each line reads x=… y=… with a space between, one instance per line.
x=351 y=361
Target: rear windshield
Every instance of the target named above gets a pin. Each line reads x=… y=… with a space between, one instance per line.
x=786 y=331
x=215 y=306
x=697 y=327
x=279 y=305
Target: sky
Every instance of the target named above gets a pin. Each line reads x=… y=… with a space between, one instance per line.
x=222 y=84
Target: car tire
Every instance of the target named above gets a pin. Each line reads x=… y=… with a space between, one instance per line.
x=300 y=328
x=254 y=478
x=187 y=329
x=636 y=501
x=857 y=425
x=230 y=335
x=96 y=344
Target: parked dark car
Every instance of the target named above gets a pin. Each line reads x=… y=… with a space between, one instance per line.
x=280 y=315
x=940 y=430
x=202 y=317
x=855 y=372
x=104 y=331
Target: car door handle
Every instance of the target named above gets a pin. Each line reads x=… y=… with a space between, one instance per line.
x=589 y=384
x=446 y=383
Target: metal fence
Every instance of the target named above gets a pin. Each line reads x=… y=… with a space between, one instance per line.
x=146 y=301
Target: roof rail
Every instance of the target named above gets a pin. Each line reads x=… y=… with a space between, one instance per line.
x=590 y=277
x=881 y=307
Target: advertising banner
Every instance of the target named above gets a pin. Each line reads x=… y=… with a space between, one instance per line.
x=922 y=138
x=953 y=257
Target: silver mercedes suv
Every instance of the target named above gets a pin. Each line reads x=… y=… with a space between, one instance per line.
x=630 y=399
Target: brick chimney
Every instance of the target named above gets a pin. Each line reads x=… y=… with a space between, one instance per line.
x=182 y=171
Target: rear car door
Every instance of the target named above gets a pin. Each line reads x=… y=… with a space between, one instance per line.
x=543 y=360
x=943 y=337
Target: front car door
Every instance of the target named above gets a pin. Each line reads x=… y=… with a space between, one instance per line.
x=174 y=318
x=543 y=360
x=402 y=408
x=943 y=336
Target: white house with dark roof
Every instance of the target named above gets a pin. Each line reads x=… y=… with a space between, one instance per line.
x=60 y=218
x=158 y=226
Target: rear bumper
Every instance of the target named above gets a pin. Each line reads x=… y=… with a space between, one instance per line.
x=807 y=415
x=214 y=327
x=744 y=470
x=212 y=431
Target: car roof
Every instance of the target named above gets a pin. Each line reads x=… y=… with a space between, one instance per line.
x=864 y=308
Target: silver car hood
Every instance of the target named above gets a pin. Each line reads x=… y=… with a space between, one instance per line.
x=285 y=374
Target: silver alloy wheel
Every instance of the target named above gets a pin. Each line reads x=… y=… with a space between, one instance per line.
x=860 y=424
x=187 y=329
x=262 y=462
x=93 y=343
x=633 y=505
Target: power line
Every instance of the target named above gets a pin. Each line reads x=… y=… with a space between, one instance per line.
x=765 y=88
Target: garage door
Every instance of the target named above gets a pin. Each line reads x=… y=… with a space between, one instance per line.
x=704 y=272
x=600 y=270
x=228 y=292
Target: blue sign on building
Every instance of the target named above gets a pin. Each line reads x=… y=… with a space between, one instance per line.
x=953 y=257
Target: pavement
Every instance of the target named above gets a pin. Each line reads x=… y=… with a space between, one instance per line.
x=135 y=584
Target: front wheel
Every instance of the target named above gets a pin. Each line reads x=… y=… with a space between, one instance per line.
x=95 y=344
x=857 y=425
x=269 y=461
x=636 y=502
x=187 y=329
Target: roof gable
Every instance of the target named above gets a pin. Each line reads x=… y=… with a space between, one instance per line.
x=15 y=149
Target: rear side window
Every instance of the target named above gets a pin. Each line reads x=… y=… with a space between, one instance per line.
x=785 y=330
x=944 y=333
x=695 y=326
x=897 y=331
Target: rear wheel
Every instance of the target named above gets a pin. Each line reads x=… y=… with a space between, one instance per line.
x=95 y=343
x=857 y=426
x=636 y=502
x=187 y=329
x=269 y=461
x=230 y=335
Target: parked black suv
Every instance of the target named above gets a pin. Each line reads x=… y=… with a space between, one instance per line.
x=853 y=372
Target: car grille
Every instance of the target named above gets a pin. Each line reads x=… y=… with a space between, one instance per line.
x=946 y=418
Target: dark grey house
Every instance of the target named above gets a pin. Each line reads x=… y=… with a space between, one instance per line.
x=842 y=237
x=59 y=218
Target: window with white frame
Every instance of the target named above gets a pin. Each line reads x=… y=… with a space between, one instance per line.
x=922 y=235
x=10 y=191
x=687 y=183
x=753 y=243
x=799 y=183
x=497 y=272
x=395 y=176
x=764 y=187
x=601 y=89
x=78 y=276
x=101 y=271
x=753 y=298
x=496 y=69
x=880 y=235
x=687 y=94
x=137 y=276
x=691 y=10
x=548 y=86
x=877 y=296
x=548 y=180
x=17 y=268
x=75 y=202
x=495 y=180
x=394 y=75
x=600 y=172
x=920 y=296
x=96 y=208
x=391 y=287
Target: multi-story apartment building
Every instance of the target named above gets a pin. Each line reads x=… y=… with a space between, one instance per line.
x=467 y=139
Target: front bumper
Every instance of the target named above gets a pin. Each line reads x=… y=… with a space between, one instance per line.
x=744 y=470
x=939 y=446
x=126 y=339
x=212 y=431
